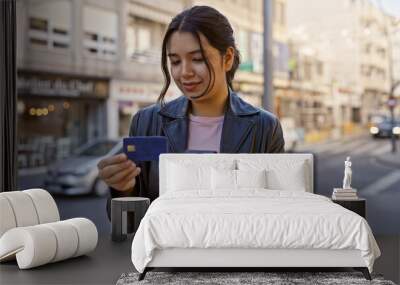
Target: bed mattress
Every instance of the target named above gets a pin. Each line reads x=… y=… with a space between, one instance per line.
x=250 y=219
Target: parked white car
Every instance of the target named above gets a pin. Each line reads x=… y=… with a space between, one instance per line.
x=78 y=174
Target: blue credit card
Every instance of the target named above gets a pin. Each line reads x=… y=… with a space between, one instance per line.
x=144 y=148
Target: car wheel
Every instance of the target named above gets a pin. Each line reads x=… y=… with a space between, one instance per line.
x=100 y=188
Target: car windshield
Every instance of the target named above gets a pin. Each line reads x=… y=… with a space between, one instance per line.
x=389 y=122
x=98 y=149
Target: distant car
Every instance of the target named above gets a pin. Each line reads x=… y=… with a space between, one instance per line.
x=78 y=174
x=384 y=129
x=377 y=119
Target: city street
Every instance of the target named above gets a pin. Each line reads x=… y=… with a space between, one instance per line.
x=377 y=182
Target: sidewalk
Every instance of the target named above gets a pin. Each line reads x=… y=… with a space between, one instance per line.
x=32 y=171
x=31 y=177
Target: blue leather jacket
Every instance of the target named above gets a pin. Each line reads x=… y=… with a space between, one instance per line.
x=246 y=129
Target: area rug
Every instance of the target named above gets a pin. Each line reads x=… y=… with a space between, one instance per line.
x=243 y=278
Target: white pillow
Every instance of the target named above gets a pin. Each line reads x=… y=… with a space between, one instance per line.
x=189 y=175
x=293 y=180
x=282 y=174
x=226 y=179
x=223 y=179
x=182 y=177
x=251 y=178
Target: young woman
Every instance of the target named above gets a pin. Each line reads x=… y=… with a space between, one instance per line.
x=201 y=50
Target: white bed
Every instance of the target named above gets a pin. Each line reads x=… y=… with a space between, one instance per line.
x=247 y=210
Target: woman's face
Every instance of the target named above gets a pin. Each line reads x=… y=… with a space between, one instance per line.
x=189 y=69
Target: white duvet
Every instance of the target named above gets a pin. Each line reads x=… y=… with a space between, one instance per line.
x=252 y=218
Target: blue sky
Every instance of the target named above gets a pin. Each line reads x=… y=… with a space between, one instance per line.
x=391 y=6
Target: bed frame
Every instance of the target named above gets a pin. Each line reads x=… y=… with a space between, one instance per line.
x=246 y=259
x=249 y=258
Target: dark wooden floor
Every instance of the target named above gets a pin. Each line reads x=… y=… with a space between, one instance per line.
x=389 y=262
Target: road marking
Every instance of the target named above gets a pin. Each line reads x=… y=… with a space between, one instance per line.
x=356 y=146
x=367 y=148
x=329 y=145
x=385 y=149
x=382 y=184
x=346 y=147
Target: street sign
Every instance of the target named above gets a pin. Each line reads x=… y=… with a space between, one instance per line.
x=391 y=102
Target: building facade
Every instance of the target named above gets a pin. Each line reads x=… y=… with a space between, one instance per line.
x=63 y=77
x=394 y=32
x=84 y=68
x=309 y=87
x=353 y=31
x=246 y=17
x=139 y=80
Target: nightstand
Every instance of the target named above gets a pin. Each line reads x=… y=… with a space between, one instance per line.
x=126 y=214
x=357 y=206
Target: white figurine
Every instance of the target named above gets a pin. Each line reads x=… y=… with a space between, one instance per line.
x=347 y=174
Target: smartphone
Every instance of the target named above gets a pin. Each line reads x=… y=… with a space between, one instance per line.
x=144 y=148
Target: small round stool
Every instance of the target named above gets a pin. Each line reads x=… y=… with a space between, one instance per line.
x=126 y=214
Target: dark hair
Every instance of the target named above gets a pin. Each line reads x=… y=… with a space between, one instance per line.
x=214 y=26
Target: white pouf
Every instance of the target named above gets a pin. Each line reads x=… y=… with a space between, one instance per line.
x=7 y=218
x=23 y=208
x=40 y=244
x=33 y=246
x=67 y=239
x=31 y=230
x=45 y=205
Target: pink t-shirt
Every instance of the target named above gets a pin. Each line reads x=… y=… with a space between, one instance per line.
x=205 y=133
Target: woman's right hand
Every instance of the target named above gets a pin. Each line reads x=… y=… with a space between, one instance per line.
x=118 y=172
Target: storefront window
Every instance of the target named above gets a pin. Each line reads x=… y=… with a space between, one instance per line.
x=57 y=114
x=50 y=129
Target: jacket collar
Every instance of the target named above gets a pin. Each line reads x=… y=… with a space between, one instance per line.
x=236 y=126
x=178 y=108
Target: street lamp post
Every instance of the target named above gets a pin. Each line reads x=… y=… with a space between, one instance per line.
x=267 y=98
x=392 y=104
